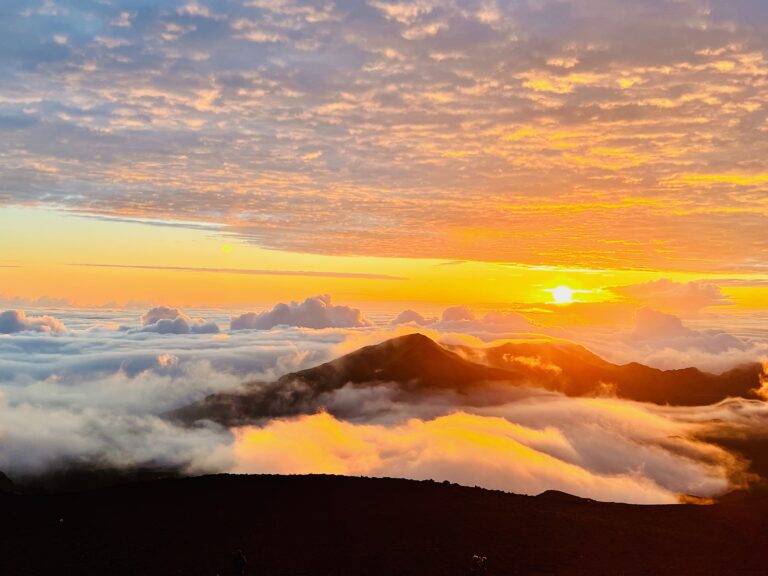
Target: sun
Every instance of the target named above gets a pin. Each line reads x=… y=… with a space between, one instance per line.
x=562 y=294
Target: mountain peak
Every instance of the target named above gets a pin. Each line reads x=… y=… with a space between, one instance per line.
x=417 y=365
x=413 y=359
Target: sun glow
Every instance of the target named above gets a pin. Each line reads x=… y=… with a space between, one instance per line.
x=562 y=295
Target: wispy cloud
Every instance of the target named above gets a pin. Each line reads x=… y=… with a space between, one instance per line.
x=249 y=272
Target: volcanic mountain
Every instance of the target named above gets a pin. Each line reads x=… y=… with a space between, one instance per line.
x=417 y=367
x=413 y=363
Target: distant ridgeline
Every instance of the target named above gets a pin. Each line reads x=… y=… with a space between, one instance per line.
x=417 y=366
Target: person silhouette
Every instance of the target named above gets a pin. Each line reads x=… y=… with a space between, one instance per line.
x=239 y=563
x=479 y=565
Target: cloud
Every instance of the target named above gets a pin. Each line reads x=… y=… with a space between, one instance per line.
x=250 y=271
x=36 y=440
x=462 y=320
x=653 y=324
x=462 y=448
x=160 y=313
x=146 y=372
x=510 y=131
x=165 y=320
x=180 y=325
x=37 y=303
x=93 y=396
x=457 y=314
x=12 y=321
x=762 y=390
x=603 y=449
x=668 y=331
x=662 y=340
x=666 y=294
x=317 y=312
x=411 y=317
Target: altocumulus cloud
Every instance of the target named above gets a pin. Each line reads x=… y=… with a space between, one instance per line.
x=317 y=312
x=449 y=93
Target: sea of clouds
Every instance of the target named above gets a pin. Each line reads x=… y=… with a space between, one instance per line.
x=88 y=388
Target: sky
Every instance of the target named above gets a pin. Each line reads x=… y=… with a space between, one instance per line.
x=437 y=151
x=198 y=194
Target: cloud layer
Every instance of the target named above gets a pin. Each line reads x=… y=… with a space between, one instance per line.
x=603 y=449
x=94 y=396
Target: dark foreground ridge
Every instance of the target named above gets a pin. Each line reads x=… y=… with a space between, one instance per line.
x=325 y=525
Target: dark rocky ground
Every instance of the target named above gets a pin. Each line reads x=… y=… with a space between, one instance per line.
x=324 y=525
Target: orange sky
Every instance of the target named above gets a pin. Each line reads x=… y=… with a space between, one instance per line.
x=47 y=252
x=480 y=152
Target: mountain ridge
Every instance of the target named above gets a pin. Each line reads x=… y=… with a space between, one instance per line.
x=417 y=365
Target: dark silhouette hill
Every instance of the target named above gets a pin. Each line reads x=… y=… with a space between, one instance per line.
x=6 y=485
x=418 y=366
x=415 y=361
x=573 y=370
x=336 y=526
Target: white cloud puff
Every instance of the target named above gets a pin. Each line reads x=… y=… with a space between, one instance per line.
x=317 y=312
x=411 y=317
x=682 y=297
x=457 y=314
x=664 y=341
x=651 y=323
x=461 y=319
x=12 y=321
x=669 y=331
x=165 y=320
x=158 y=313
